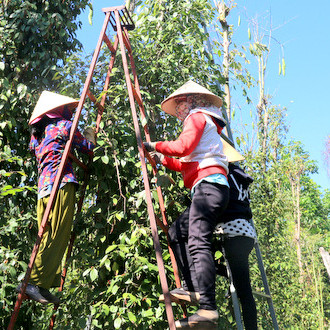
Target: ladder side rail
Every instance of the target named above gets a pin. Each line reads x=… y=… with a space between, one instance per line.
x=145 y=127
x=109 y=44
x=89 y=75
x=164 y=226
x=94 y=100
x=153 y=224
x=77 y=161
x=138 y=90
x=111 y=64
x=107 y=82
x=57 y=179
x=236 y=306
x=265 y=282
x=126 y=41
x=100 y=106
x=233 y=293
x=159 y=190
x=146 y=130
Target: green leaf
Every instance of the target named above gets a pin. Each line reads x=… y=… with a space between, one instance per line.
x=105 y=159
x=117 y=323
x=218 y=255
x=86 y=272
x=111 y=248
x=106 y=309
x=90 y=16
x=103 y=260
x=94 y=274
x=131 y=317
x=114 y=289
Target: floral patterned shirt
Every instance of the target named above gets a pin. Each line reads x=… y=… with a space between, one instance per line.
x=49 y=152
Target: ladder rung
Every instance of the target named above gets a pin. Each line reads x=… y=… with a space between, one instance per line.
x=109 y=44
x=137 y=97
x=93 y=99
x=261 y=294
x=78 y=162
x=161 y=225
x=127 y=44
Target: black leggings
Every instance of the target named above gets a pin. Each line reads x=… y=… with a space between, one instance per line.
x=190 y=237
x=237 y=250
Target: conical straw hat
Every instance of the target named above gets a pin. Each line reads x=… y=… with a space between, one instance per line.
x=50 y=101
x=232 y=154
x=190 y=87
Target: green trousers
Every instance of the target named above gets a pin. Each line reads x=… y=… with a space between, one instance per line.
x=46 y=271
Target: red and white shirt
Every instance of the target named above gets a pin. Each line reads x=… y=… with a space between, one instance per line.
x=199 y=147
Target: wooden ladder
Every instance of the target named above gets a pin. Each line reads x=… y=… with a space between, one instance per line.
x=121 y=22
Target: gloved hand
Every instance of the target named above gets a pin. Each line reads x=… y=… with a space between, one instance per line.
x=150 y=146
x=89 y=134
x=157 y=157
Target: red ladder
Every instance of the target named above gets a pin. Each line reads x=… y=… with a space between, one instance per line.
x=121 y=22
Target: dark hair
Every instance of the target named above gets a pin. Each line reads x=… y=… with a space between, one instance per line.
x=38 y=129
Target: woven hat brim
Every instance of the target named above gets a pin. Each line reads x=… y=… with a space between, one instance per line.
x=49 y=101
x=232 y=154
x=190 y=87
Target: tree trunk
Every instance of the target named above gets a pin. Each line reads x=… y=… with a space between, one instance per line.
x=298 y=231
x=295 y=188
x=326 y=259
x=224 y=10
x=262 y=112
x=130 y=5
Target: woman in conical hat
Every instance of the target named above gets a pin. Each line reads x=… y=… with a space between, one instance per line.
x=50 y=126
x=53 y=105
x=237 y=239
x=204 y=167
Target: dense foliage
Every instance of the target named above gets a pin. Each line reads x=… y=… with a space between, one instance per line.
x=36 y=37
x=113 y=278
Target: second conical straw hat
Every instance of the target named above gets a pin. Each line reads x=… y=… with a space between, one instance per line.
x=232 y=154
x=50 y=101
x=190 y=87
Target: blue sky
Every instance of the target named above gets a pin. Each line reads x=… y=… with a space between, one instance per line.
x=302 y=29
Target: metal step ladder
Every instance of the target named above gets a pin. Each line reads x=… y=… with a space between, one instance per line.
x=266 y=295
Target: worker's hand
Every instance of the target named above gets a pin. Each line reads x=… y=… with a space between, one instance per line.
x=89 y=134
x=150 y=146
x=157 y=157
